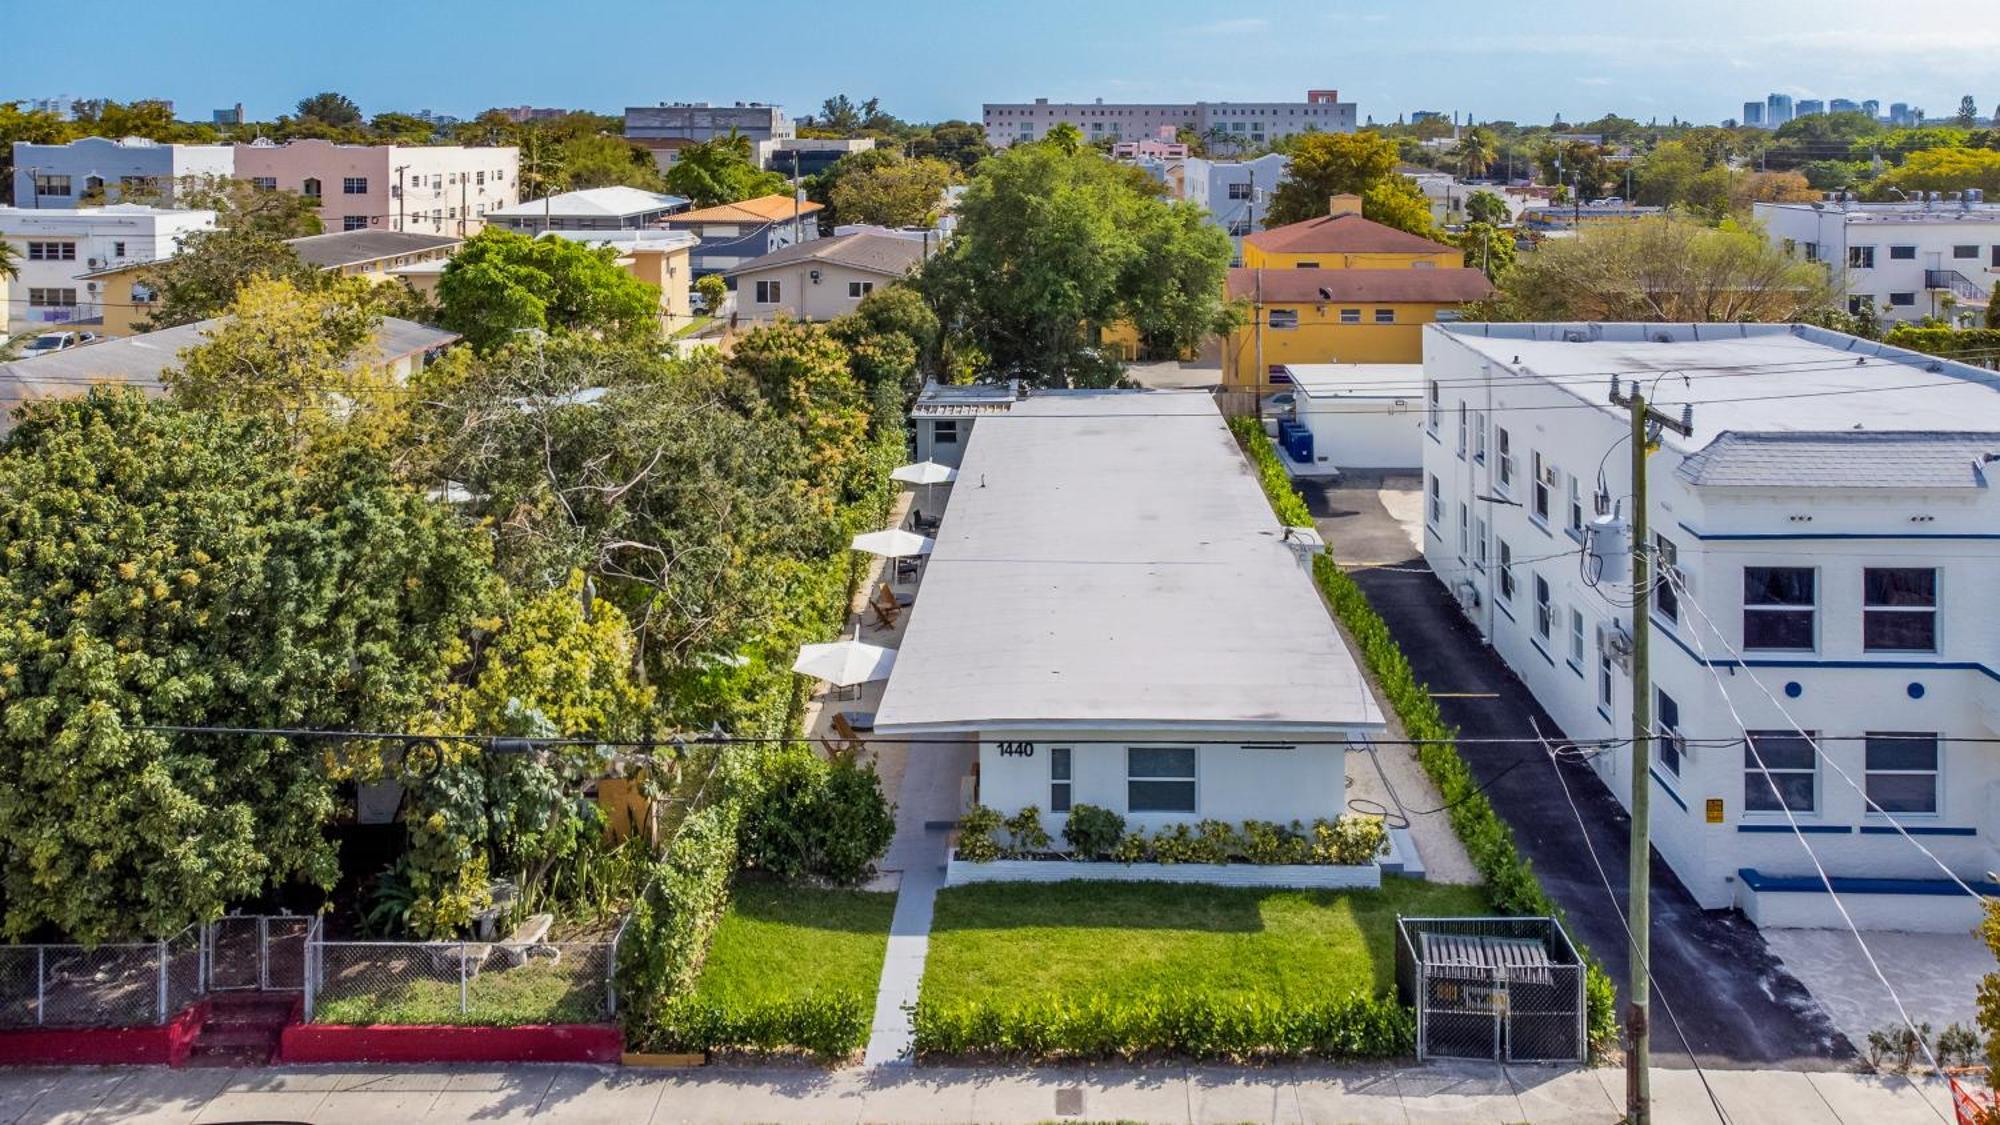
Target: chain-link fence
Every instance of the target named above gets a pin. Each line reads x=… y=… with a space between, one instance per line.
x=125 y=984
x=451 y=982
x=262 y=952
x=1508 y=989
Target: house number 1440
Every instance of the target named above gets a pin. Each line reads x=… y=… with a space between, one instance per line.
x=1017 y=749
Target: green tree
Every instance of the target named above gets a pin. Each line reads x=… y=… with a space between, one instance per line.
x=1486 y=207
x=1065 y=137
x=286 y=354
x=212 y=266
x=1968 y=113
x=330 y=108
x=1993 y=307
x=712 y=290
x=906 y=193
x=720 y=171
x=177 y=566
x=1660 y=269
x=1054 y=245
x=1328 y=164
x=502 y=283
x=1488 y=248
x=958 y=143
x=401 y=129
x=595 y=160
x=1577 y=165
x=239 y=206
x=1941 y=169
x=1475 y=153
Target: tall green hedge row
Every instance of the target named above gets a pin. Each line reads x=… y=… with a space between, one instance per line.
x=1511 y=885
x=1187 y=1024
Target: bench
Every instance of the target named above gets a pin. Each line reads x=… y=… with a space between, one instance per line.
x=529 y=938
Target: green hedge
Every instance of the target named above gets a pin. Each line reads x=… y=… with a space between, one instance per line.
x=1980 y=346
x=1196 y=1025
x=831 y=1026
x=1511 y=885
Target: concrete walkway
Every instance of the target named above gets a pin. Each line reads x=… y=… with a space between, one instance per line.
x=1165 y=1094
x=927 y=804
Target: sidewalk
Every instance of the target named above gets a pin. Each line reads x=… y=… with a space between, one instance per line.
x=1480 y=1093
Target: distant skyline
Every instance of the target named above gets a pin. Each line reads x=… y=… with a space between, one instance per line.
x=1528 y=62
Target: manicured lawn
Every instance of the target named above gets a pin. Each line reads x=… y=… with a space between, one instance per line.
x=779 y=943
x=1007 y=943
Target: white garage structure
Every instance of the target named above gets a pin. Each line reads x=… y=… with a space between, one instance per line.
x=1114 y=615
x=1362 y=415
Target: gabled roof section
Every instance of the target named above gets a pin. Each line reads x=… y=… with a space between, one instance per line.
x=1443 y=285
x=1345 y=233
x=763 y=209
x=885 y=254
x=352 y=247
x=593 y=203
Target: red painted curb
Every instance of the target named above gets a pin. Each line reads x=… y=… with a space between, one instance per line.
x=337 y=1043
x=164 y=1044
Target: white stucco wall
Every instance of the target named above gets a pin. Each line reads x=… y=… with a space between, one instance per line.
x=1233 y=782
x=1373 y=433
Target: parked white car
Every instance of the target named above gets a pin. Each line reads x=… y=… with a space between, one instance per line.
x=49 y=342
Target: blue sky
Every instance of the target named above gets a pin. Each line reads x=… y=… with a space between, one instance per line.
x=1699 y=59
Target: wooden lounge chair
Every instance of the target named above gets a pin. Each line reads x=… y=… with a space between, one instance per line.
x=887 y=613
x=849 y=743
x=887 y=596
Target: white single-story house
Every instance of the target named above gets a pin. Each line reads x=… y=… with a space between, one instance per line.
x=823 y=278
x=944 y=414
x=1362 y=415
x=1113 y=613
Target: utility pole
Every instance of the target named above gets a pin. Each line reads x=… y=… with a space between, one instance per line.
x=797 y=232
x=1646 y=421
x=400 y=193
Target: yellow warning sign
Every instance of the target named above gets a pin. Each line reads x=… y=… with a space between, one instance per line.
x=1715 y=810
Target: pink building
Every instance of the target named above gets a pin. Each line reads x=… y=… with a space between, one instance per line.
x=427 y=189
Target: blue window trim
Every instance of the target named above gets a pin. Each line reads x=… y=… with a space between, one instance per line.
x=1809 y=884
x=1898 y=665
x=1432 y=434
x=1917 y=830
x=1536 y=644
x=1606 y=714
x=1575 y=667
x=1541 y=523
x=1809 y=829
x=1575 y=534
x=1762 y=536
x=1666 y=788
x=1501 y=605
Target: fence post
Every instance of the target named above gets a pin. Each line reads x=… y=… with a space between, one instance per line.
x=461 y=978
x=306 y=966
x=263 y=953
x=41 y=985
x=160 y=951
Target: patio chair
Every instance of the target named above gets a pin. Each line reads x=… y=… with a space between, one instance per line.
x=887 y=596
x=887 y=613
x=906 y=570
x=926 y=524
x=849 y=743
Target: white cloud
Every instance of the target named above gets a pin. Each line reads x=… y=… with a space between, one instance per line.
x=1244 y=25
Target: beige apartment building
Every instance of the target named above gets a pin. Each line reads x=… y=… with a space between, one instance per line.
x=427 y=189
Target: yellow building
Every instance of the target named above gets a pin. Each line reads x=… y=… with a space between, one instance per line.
x=371 y=254
x=1340 y=289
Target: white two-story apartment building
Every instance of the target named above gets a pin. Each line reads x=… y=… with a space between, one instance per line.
x=54 y=247
x=1933 y=256
x=1830 y=529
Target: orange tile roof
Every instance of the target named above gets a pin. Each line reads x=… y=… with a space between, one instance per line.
x=763 y=209
x=1447 y=285
x=1346 y=233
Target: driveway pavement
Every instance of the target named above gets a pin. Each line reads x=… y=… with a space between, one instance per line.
x=1305 y=1093
x=1737 y=1004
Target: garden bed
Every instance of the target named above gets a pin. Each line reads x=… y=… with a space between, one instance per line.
x=1098 y=969
x=791 y=969
x=1061 y=869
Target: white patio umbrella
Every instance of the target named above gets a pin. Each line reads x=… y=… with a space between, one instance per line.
x=926 y=473
x=845 y=663
x=895 y=543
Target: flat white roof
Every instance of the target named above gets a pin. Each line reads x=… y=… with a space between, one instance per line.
x=595 y=203
x=1743 y=378
x=1358 y=380
x=1108 y=561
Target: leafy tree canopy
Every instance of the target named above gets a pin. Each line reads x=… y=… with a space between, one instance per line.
x=213 y=265
x=720 y=171
x=330 y=108
x=900 y=193
x=502 y=283
x=1324 y=165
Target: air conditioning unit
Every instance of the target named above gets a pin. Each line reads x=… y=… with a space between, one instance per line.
x=1467 y=593
x=1617 y=643
x=97 y=263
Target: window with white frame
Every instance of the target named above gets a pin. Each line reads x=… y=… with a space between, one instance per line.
x=1861 y=257
x=1436 y=506
x=1385 y=316
x=1239 y=191
x=769 y=292
x=52 y=251
x=1899 y=609
x=1902 y=772
x=1576 y=636
x=1479 y=542
x=1464 y=532
x=1479 y=435
x=1160 y=779
x=1432 y=410
x=1780 y=771
x=860 y=289
x=1779 y=607
x=944 y=431
x=1059 y=779
x=1545 y=610
x=1348 y=316
x=1668 y=744
x=264 y=183
x=52 y=185
x=1575 y=504
x=309 y=188
x=1545 y=475
x=1464 y=424
x=1506 y=571
x=1606 y=664
x=1506 y=453
x=1284 y=318
x=354 y=222
x=51 y=298
x=354 y=185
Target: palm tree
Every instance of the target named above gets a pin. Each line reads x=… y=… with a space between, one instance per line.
x=1475 y=153
x=9 y=269
x=1065 y=136
x=541 y=166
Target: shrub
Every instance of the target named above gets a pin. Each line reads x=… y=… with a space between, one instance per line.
x=1351 y=840
x=1131 y=847
x=1195 y=1025
x=668 y=934
x=1025 y=829
x=831 y=1026
x=1093 y=831
x=1511 y=885
x=1177 y=844
x=1216 y=841
x=1265 y=842
x=975 y=835
x=817 y=819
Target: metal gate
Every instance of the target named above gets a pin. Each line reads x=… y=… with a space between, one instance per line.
x=258 y=952
x=1505 y=989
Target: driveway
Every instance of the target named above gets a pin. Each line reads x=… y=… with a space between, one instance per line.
x=1736 y=1002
